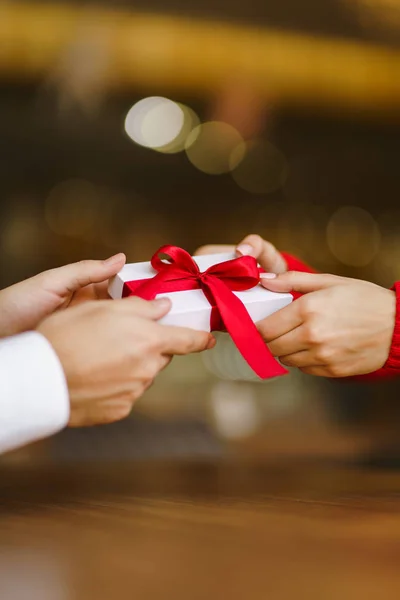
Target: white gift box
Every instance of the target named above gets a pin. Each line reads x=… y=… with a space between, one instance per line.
x=191 y=308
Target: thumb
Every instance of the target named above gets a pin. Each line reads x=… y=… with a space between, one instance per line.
x=266 y=254
x=77 y=275
x=147 y=309
x=294 y=281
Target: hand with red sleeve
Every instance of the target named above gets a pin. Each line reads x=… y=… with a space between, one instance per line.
x=339 y=328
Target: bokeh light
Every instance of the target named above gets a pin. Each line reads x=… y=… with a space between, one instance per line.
x=209 y=147
x=160 y=124
x=353 y=236
x=191 y=121
x=235 y=410
x=258 y=167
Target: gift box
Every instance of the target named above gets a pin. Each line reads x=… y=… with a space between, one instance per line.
x=208 y=293
x=190 y=308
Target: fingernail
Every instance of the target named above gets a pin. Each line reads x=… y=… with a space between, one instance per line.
x=114 y=259
x=245 y=250
x=162 y=302
x=211 y=343
x=267 y=276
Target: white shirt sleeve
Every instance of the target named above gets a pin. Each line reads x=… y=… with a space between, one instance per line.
x=34 y=401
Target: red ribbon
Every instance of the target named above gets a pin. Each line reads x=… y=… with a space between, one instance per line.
x=181 y=273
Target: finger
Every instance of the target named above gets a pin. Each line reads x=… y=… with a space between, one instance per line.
x=180 y=340
x=214 y=249
x=165 y=361
x=153 y=366
x=101 y=290
x=303 y=359
x=77 y=275
x=291 y=343
x=294 y=281
x=265 y=252
x=153 y=309
x=107 y=411
x=281 y=322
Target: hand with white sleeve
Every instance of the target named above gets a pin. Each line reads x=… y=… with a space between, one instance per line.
x=85 y=366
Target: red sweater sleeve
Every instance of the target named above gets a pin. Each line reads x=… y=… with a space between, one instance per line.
x=392 y=366
x=294 y=264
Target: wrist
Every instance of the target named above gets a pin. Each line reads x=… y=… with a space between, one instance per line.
x=393 y=360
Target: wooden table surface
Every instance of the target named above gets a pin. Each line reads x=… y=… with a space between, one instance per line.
x=196 y=531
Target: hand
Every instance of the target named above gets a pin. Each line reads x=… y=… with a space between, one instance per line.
x=253 y=245
x=24 y=305
x=340 y=328
x=112 y=350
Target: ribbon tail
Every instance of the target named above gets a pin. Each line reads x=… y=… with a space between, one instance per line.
x=243 y=331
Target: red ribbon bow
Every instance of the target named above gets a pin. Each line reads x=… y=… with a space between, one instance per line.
x=218 y=282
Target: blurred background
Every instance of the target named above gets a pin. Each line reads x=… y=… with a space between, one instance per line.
x=127 y=124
